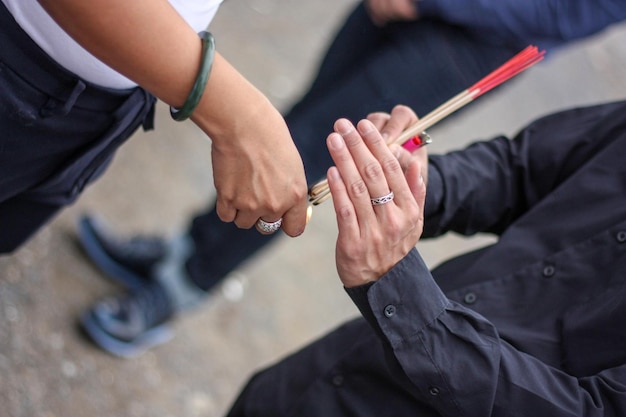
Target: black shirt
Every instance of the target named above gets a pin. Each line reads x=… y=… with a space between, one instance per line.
x=534 y=325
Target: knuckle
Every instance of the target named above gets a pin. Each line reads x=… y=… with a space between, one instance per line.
x=392 y=165
x=358 y=188
x=373 y=171
x=345 y=212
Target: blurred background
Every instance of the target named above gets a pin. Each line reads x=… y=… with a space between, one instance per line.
x=283 y=298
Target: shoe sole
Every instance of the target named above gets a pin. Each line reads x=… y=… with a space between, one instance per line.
x=149 y=339
x=114 y=270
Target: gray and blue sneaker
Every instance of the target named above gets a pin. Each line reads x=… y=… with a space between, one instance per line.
x=157 y=286
x=129 y=324
x=129 y=262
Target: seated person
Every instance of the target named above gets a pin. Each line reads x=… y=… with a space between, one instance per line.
x=532 y=325
x=374 y=62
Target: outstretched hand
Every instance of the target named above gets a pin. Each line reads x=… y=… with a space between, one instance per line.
x=373 y=238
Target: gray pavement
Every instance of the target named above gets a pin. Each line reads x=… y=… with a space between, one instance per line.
x=279 y=300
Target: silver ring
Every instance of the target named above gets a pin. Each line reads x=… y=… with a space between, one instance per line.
x=269 y=227
x=379 y=201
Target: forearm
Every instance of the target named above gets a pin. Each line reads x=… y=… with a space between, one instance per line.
x=148 y=42
x=488 y=185
x=257 y=170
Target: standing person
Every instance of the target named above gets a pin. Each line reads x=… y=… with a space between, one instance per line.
x=78 y=78
x=387 y=52
x=530 y=325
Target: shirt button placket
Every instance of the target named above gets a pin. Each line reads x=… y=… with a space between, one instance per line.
x=621 y=236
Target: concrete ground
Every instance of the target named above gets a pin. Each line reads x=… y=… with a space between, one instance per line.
x=281 y=299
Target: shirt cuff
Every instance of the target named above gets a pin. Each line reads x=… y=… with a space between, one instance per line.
x=408 y=291
x=434 y=192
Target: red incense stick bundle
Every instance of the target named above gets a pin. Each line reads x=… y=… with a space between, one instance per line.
x=520 y=62
x=412 y=137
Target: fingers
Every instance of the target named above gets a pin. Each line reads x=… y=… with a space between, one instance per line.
x=347 y=150
x=392 y=170
x=367 y=166
x=403 y=156
x=295 y=219
x=384 y=11
x=400 y=118
x=225 y=212
x=347 y=223
x=417 y=183
x=393 y=124
x=292 y=222
x=379 y=120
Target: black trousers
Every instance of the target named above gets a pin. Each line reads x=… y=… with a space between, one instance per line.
x=57 y=132
x=343 y=374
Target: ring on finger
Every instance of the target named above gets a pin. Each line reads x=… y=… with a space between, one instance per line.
x=379 y=201
x=269 y=227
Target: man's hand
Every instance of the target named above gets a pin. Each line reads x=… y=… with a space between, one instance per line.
x=390 y=126
x=373 y=238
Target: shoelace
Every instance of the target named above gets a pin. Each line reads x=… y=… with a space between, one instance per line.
x=142 y=248
x=153 y=302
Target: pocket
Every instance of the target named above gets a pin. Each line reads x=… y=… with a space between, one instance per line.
x=67 y=182
x=20 y=101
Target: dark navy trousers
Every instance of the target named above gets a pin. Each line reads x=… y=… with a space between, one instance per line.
x=57 y=133
x=366 y=69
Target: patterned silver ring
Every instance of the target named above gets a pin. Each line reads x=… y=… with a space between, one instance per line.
x=379 y=201
x=269 y=227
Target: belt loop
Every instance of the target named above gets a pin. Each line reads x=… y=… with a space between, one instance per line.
x=55 y=107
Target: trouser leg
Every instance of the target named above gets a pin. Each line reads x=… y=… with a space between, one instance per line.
x=57 y=133
x=345 y=373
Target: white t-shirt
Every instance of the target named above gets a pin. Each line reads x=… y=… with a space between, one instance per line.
x=59 y=45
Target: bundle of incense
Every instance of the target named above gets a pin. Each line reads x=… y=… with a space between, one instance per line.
x=414 y=137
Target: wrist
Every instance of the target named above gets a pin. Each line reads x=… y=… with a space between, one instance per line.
x=193 y=99
x=229 y=103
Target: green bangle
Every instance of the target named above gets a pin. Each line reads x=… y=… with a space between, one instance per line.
x=208 y=51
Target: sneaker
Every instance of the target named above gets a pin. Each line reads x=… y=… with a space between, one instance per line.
x=128 y=261
x=132 y=323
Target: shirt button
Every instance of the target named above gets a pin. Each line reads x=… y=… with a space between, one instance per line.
x=434 y=391
x=621 y=236
x=548 y=271
x=470 y=298
x=390 y=310
x=338 y=380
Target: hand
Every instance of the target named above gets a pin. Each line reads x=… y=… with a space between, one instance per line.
x=390 y=126
x=384 y=11
x=258 y=173
x=372 y=239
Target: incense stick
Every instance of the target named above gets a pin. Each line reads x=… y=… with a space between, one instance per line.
x=528 y=57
